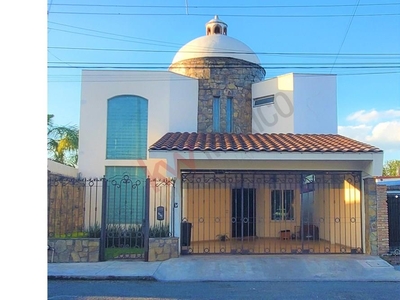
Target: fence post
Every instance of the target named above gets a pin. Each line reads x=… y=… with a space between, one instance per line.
x=172 y=208
x=103 y=232
x=146 y=221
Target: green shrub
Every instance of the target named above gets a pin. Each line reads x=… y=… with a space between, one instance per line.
x=94 y=231
x=159 y=231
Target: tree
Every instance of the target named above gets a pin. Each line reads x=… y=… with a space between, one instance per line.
x=391 y=168
x=62 y=142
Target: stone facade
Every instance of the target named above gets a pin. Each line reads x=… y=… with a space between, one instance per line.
x=376 y=218
x=74 y=250
x=163 y=248
x=371 y=239
x=382 y=220
x=224 y=78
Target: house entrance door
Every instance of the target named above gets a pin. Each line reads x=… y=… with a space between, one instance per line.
x=308 y=232
x=243 y=213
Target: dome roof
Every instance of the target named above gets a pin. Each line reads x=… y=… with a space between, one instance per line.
x=216 y=45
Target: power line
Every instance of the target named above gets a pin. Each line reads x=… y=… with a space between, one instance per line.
x=109 y=38
x=120 y=78
x=295 y=66
x=347 y=31
x=231 y=65
x=110 y=33
x=379 y=55
x=223 y=15
x=223 y=6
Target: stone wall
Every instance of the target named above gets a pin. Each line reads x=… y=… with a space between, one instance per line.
x=224 y=78
x=376 y=218
x=382 y=220
x=74 y=250
x=163 y=248
x=371 y=239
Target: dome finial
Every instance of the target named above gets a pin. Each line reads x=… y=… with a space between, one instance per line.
x=216 y=26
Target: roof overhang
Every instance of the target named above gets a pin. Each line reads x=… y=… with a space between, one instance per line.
x=369 y=163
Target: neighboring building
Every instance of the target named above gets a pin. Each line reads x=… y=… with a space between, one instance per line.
x=256 y=161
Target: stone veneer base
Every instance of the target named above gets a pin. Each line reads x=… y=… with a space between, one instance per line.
x=161 y=249
x=74 y=250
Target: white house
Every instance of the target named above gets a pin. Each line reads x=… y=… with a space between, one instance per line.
x=252 y=158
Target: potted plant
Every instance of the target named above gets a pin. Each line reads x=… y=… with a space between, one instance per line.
x=222 y=237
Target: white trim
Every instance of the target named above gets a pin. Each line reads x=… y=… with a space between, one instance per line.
x=370 y=164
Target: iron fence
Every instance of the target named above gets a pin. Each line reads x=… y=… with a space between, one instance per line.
x=123 y=212
x=265 y=212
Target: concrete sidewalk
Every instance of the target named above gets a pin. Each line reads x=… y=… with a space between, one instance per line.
x=236 y=268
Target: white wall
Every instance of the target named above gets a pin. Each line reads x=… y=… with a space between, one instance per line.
x=370 y=164
x=315 y=102
x=278 y=116
x=304 y=103
x=57 y=168
x=172 y=106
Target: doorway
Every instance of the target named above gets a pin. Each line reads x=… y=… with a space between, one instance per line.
x=243 y=212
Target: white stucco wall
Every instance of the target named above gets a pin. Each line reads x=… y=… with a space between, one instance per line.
x=57 y=168
x=370 y=164
x=172 y=106
x=315 y=101
x=278 y=116
x=304 y=103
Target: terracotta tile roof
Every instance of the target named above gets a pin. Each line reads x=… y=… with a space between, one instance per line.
x=273 y=142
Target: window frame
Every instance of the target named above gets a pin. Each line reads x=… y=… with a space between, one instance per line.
x=229 y=115
x=265 y=100
x=280 y=200
x=216 y=125
x=132 y=144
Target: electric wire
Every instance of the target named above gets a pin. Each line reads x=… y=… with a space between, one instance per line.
x=224 y=15
x=224 y=6
x=345 y=35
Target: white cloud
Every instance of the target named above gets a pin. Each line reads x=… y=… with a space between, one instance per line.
x=385 y=135
x=359 y=132
x=388 y=132
x=363 y=116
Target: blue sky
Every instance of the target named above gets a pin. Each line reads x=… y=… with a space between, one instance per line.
x=359 y=40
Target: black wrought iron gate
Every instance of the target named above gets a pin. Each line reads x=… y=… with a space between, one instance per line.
x=133 y=210
x=393 y=202
x=258 y=212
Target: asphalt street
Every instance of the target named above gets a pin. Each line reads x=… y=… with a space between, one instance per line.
x=126 y=289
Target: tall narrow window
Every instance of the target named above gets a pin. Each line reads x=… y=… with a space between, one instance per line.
x=229 y=115
x=216 y=114
x=127 y=127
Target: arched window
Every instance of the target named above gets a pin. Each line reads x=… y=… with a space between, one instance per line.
x=217 y=29
x=127 y=127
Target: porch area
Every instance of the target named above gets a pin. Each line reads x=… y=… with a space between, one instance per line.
x=264 y=212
